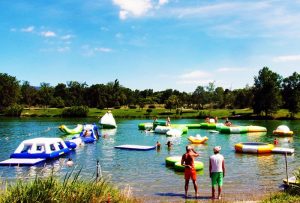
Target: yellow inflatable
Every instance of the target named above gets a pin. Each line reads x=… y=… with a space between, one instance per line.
x=197 y=139
x=254 y=147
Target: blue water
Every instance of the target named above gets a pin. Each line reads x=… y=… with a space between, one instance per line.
x=144 y=172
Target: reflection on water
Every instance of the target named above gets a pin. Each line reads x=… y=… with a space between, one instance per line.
x=145 y=171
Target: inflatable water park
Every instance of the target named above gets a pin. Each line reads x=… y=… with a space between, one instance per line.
x=108 y=121
x=37 y=150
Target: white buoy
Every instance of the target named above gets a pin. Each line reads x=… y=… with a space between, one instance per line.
x=283 y=128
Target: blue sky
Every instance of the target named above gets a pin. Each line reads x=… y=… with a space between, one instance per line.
x=155 y=44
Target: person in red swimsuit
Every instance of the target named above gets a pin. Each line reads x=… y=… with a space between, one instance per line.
x=187 y=161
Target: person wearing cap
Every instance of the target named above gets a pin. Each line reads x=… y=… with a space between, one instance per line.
x=187 y=161
x=216 y=171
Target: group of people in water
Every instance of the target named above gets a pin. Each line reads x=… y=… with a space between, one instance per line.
x=215 y=120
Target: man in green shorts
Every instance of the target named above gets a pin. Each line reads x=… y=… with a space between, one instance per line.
x=216 y=171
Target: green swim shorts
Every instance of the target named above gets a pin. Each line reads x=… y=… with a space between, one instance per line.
x=217 y=178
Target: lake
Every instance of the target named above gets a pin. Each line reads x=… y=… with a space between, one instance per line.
x=144 y=172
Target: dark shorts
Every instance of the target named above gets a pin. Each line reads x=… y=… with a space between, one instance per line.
x=190 y=173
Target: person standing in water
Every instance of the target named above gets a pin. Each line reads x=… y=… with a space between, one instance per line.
x=216 y=171
x=187 y=161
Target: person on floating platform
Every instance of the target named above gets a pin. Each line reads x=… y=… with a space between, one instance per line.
x=227 y=123
x=216 y=171
x=154 y=123
x=207 y=120
x=216 y=119
x=187 y=161
x=168 y=121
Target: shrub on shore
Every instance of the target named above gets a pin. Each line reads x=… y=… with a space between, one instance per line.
x=51 y=189
x=76 y=111
x=13 y=110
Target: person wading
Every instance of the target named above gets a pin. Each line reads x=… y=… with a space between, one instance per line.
x=187 y=161
x=216 y=171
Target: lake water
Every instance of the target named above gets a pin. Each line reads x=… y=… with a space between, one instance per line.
x=145 y=171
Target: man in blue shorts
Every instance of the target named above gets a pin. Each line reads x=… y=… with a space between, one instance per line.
x=216 y=171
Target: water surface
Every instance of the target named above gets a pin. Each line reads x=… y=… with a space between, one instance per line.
x=145 y=171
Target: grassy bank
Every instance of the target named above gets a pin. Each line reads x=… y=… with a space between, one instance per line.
x=160 y=113
x=51 y=189
x=282 y=197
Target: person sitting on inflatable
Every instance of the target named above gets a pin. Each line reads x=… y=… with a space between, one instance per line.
x=168 y=121
x=227 y=122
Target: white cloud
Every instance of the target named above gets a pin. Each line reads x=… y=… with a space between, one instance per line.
x=123 y=14
x=231 y=69
x=133 y=7
x=13 y=29
x=63 y=49
x=103 y=49
x=67 y=37
x=162 y=2
x=105 y=29
x=194 y=82
x=48 y=34
x=27 y=29
x=194 y=77
x=195 y=74
x=287 y=58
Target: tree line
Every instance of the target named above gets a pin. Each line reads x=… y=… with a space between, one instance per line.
x=269 y=93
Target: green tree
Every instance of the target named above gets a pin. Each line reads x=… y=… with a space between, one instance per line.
x=211 y=93
x=291 y=93
x=219 y=97
x=9 y=90
x=172 y=102
x=45 y=94
x=243 y=97
x=200 y=97
x=28 y=94
x=76 y=93
x=266 y=92
x=61 y=91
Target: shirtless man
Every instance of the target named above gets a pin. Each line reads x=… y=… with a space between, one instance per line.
x=187 y=160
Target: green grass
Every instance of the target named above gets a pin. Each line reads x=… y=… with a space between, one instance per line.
x=72 y=189
x=159 y=112
x=282 y=197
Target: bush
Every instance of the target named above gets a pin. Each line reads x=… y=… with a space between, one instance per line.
x=13 y=110
x=101 y=106
x=132 y=106
x=149 y=111
x=151 y=106
x=178 y=111
x=117 y=107
x=76 y=111
x=165 y=113
x=71 y=189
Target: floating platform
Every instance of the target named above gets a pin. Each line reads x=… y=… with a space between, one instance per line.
x=135 y=147
x=21 y=162
x=292 y=181
x=281 y=150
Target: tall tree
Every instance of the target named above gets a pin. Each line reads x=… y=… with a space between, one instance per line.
x=266 y=92
x=9 y=90
x=291 y=93
x=200 y=97
x=76 y=93
x=28 y=94
x=45 y=94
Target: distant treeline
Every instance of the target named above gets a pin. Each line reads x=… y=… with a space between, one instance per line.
x=269 y=93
